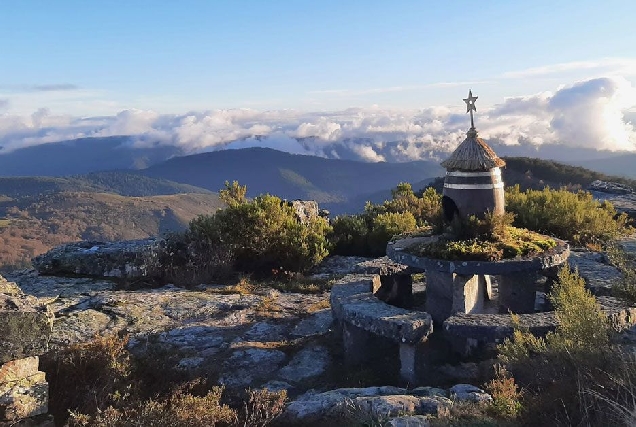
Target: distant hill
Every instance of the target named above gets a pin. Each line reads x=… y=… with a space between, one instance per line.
x=32 y=225
x=117 y=182
x=539 y=173
x=335 y=184
x=624 y=165
x=83 y=155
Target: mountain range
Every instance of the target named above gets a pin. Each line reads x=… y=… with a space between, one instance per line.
x=39 y=212
x=85 y=155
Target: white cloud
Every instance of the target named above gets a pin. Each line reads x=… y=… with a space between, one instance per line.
x=587 y=114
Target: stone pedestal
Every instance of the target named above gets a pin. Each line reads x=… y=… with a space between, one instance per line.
x=449 y=293
x=468 y=293
x=517 y=293
x=407 y=363
x=488 y=287
x=439 y=295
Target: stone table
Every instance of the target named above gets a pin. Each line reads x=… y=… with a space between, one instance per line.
x=463 y=286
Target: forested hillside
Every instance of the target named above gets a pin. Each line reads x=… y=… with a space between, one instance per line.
x=32 y=225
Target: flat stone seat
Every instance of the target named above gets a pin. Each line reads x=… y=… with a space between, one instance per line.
x=354 y=303
x=468 y=331
x=369 y=323
x=396 y=251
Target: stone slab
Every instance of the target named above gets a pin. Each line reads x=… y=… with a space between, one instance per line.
x=366 y=312
x=396 y=251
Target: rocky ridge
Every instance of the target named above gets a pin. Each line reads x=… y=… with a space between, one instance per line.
x=252 y=337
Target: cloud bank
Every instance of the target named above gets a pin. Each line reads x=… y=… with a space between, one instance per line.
x=589 y=114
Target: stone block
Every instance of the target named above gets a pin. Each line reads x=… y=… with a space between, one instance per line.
x=439 y=295
x=25 y=327
x=468 y=293
x=24 y=398
x=15 y=370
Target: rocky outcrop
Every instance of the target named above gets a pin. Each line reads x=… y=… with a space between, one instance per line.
x=305 y=210
x=378 y=405
x=126 y=259
x=599 y=276
x=609 y=187
x=255 y=339
x=25 y=328
x=621 y=196
x=25 y=324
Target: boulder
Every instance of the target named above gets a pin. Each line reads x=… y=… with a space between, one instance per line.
x=125 y=259
x=25 y=326
x=390 y=406
x=305 y=210
x=23 y=390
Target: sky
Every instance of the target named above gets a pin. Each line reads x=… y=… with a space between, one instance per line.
x=324 y=69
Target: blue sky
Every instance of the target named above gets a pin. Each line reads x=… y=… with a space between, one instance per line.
x=383 y=78
x=176 y=56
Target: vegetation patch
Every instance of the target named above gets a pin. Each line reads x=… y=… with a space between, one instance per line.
x=101 y=384
x=367 y=234
x=576 y=217
x=575 y=375
x=518 y=243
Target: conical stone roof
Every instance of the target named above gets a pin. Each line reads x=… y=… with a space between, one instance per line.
x=473 y=155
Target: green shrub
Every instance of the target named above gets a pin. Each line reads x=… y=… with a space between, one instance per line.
x=350 y=235
x=262 y=234
x=576 y=217
x=579 y=355
x=427 y=210
x=387 y=225
x=367 y=234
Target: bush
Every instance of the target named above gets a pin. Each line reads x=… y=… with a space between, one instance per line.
x=505 y=394
x=387 y=225
x=560 y=371
x=427 y=209
x=350 y=235
x=367 y=234
x=576 y=217
x=251 y=236
x=100 y=383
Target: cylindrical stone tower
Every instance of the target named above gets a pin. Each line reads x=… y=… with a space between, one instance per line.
x=473 y=184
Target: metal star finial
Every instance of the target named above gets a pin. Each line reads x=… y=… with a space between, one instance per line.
x=470 y=107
